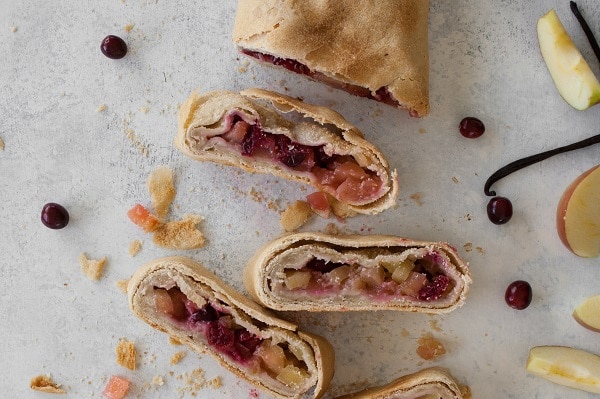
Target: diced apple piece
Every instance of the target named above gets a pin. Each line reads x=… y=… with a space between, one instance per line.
x=292 y=376
x=319 y=202
x=141 y=216
x=403 y=271
x=570 y=72
x=372 y=276
x=296 y=279
x=116 y=388
x=162 y=301
x=578 y=215
x=338 y=275
x=272 y=356
x=566 y=366
x=588 y=313
x=413 y=284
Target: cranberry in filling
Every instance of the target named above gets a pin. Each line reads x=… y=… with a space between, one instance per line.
x=339 y=174
x=382 y=94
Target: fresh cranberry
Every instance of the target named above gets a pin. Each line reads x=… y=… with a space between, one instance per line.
x=220 y=336
x=383 y=95
x=289 y=153
x=54 y=216
x=206 y=313
x=113 y=47
x=499 y=210
x=471 y=127
x=320 y=265
x=434 y=289
x=256 y=139
x=518 y=294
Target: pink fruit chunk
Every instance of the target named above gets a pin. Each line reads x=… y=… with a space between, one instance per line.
x=116 y=388
x=142 y=217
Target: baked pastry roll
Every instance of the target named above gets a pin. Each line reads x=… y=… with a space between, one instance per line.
x=430 y=383
x=180 y=297
x=319 y=272
x=266 y=132
x=376 y=49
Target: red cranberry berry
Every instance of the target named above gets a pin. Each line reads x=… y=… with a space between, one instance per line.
x=54 y=216
x=499 y=210
x=113 y=47
x=206 y=313
x=320 y=265
x=471 y=127
x=220 y=336
x=518 y=294
x=435 y=289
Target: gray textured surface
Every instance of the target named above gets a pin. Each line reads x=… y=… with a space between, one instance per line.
x=484 y=62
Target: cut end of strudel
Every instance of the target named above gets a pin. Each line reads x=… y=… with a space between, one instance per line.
x=430 y=383
x=376 y=49
x=266 y=132
x=319 y=272
x=180 y=297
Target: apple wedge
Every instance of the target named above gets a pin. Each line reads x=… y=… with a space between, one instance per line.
x=588 y=313
x=571 y=74
x=578 y=215
x=566 y=366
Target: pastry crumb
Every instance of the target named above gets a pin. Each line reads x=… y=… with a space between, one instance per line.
x=144 y=110
x=122 y=285
x=195 y=381
x=455 y=180
x=134 y=247
x=127 y=28
x=332 y=229
x=45 y=384
x=13 y=29
x=126 y=354
x=177 y=357
x=1 y=145
x=180 y=234
x=158 y=380
x=422 y=130
x=430 y=348
x=295 y=215
x=101 y=108
x=468 y=247
x=417 y=198
x=92 y=268
x=174 y=341
x=257 y=196
x=161 y=189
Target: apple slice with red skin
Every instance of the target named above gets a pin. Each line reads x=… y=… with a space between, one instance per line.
x=587 y=313
x=578 y=215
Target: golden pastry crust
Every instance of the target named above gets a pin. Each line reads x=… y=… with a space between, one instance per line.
x=198 y=284
x=44 y=383
x=435 y=381
x=368 y=44
x=201 y=114
x=269 y=260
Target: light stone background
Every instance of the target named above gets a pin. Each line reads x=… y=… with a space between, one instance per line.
x=58 y=148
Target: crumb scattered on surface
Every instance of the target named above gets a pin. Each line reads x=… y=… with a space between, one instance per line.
x=455 y=180
x=45 y=384
x=134 y=247
x=417 y=198
x=127 y=28
x=92 y=268
x=126 y=354
x=101 y=108
x=177 y=357
x=468 y=247
x=1 y=145
x=133 y=138
x=194 y=381
x=174 y=341
x=430 y=348
x=158 y=380
x=180 y=234
x=332 y=229
x=480 y=250
x=13 y=29
x=422 y=130
x=122 y=285
x=435 y=325
x=465 y=391
x=161 y=189
x=144 y=110
x=256 y=196
x=404 y=333
x=295 y=215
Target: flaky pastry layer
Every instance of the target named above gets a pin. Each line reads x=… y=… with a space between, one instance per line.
x=274 y=267
x=200 y=286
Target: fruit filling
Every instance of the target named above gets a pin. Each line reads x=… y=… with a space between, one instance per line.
x=419 y=276
x=215 y=322
x=382 y=94
x=339 y=175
